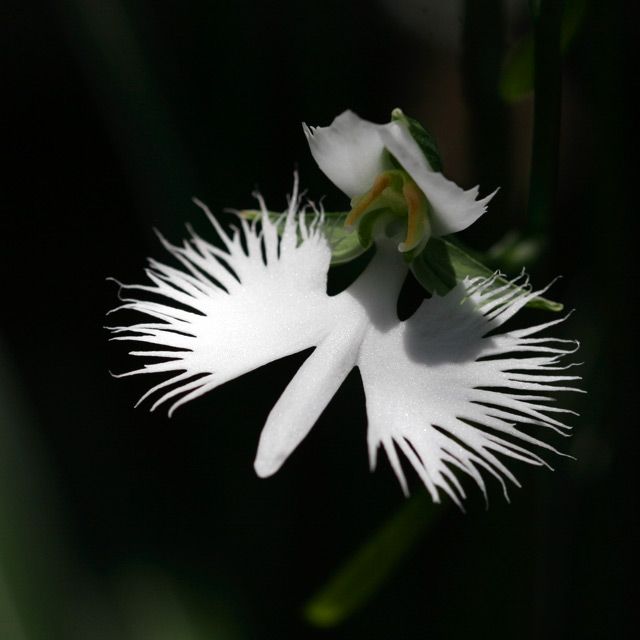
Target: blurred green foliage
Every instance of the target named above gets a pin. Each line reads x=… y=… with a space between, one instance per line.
x=516 y=81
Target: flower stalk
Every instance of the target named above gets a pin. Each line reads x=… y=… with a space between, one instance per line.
x=363 y=574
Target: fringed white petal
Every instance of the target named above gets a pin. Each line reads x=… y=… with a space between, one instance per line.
x=349 y=151
x=230 y=310
x=454 y=209
x=449 y=396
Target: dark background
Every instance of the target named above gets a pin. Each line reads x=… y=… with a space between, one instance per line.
x=118 y=523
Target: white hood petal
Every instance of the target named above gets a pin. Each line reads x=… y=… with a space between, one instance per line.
x=454 y=209
x=349 y=151
x=432 y=393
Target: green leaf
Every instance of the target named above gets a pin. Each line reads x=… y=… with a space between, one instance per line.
x=345 y=244
x=364 y=573
x=424 y=139
x=516 y=81
x=442 y=265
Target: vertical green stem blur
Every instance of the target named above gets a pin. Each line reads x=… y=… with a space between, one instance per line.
x=547 y=16
x=357 y=581
x=482 y=61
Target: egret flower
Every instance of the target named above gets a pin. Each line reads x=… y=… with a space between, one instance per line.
x=443 y=388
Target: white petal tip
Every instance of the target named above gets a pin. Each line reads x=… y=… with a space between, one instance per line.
x=488 y=198
x=265 y=468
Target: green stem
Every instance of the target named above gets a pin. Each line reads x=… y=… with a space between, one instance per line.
x=357 y=581
x=547 y=15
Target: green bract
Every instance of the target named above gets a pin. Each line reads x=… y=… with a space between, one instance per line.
x=443 y=264
x=345 y=244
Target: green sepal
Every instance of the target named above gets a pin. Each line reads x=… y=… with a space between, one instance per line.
x=442 y=265
x=345 y=244
x=423 y=138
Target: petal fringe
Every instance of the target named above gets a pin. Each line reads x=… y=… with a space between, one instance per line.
x=445 y=391
x=225 y=311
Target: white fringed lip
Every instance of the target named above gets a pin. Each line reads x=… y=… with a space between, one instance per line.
x=443 y=388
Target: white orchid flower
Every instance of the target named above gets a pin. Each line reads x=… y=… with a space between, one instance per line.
x=358 y=157
x=441 y=387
